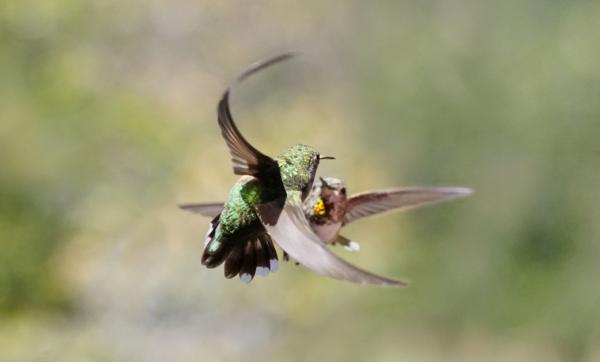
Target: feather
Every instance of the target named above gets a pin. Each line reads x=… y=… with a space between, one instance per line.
x=294 y=235
x=375 y=202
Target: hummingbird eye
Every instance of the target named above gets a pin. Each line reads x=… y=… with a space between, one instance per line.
x=343 y=191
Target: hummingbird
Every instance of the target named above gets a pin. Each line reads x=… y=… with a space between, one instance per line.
x=265 y=205
x=328 y=208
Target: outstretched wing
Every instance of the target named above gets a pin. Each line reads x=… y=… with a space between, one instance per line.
x=370 y=203
x=246 y=159
x=294 y=235
x=210 y=209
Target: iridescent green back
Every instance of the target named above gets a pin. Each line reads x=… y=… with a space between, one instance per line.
x=297 y=165
x=238 y=212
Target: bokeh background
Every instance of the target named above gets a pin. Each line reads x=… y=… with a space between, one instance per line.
x=107 y=122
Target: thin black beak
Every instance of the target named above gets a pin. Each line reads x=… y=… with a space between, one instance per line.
x=326 y=158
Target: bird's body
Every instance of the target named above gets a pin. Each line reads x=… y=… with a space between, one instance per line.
x=238 y=218
x=328 y=232
x=325 y=208
x=237 y=235
x=296 y=165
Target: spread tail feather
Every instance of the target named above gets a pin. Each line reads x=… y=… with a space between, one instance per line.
x=213 y=250
x=259 y=258
x=247 y=258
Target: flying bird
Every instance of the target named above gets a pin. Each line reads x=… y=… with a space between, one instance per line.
x=265 y=204
x=328 y=208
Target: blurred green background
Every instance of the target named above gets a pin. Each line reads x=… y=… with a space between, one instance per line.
x=107 y=122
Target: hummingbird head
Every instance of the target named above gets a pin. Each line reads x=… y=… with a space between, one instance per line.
x=332 y=190
x=333 y=184
x=298 y=165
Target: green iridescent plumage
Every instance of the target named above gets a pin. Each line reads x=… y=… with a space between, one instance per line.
x=239 y=225
x=297 y=166
x=239 y=208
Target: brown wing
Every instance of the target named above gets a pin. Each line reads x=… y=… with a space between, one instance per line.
x=294 y=235
x=210 y=209
x=370 y=203
x=246 y=159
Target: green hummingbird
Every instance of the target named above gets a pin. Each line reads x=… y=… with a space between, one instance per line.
x=328 y=208
x=265 y=204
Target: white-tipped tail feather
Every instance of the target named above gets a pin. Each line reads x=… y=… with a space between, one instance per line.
x=262 y=271
x=274 y=265
x=352 y=246
x=246 y=278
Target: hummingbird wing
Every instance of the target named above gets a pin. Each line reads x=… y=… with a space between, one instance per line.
x=246 y=159
x=370 y=203
x=294 y=235
x=210 y=209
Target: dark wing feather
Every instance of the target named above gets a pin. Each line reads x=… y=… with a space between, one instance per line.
x=210 y=209
x=246 y=159
x=294 y=235
x=370 y=203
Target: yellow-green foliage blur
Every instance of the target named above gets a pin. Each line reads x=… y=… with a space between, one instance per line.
x=108 y=121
